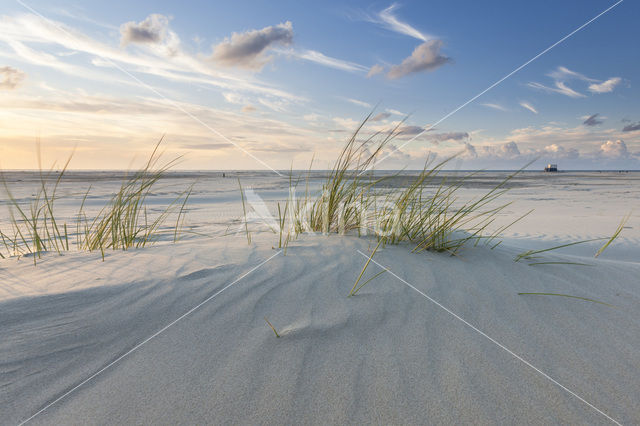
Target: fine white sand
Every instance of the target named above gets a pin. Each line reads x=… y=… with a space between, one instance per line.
x=389 y=355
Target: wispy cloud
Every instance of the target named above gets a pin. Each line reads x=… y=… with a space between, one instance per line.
x=528 y=106
x=410 y=130
x=240 y=99
x=381 y=116
x=18 y=31
x=425 y=57
x=358 y=102
x=207 y=146
x=133 y=122
x=395 y=112
x=494 y=106
x=560 y=88
x=10 y=78
x=248 y=49
x=449 y=136
x=346 y=123
x=562 y=74
x=390 y=21
x=606 y=86
x=374 y=70
x=592 y=120
x=631 y=127
x=327 y=61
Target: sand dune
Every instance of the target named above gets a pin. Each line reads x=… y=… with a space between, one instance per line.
x=388 y=355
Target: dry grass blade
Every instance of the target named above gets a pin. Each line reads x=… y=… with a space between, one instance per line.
x=272 y=327
x=568 y=295
x=244 y=211
x=355 y=287
x=531 y=254
x=615 y=234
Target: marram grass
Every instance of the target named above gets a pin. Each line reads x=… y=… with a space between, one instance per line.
x=123 y=223
x=351 y=202
x=426 y=214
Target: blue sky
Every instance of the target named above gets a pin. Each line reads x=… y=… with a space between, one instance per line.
x=271 y=84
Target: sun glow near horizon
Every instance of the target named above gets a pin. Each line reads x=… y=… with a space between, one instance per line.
x=272 y=89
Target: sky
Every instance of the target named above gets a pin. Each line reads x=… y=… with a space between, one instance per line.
x=275 y=85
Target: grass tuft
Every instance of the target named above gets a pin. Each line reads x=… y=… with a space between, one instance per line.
x=123 y=223
x=426 y=213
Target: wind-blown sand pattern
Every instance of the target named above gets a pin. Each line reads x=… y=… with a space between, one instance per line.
x=319 y=213
x=387 y=355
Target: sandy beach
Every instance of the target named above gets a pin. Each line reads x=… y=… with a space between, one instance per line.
x=175 y=333
x=319 y=213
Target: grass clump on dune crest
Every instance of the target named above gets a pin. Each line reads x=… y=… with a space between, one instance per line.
x=124 y=223
x=425 y=213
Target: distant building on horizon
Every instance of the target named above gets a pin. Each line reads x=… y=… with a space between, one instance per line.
x=551 y=168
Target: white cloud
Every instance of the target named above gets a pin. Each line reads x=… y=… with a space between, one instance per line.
x=152 y=30
x=469 y=151
x=558 y=152
x=381 y=116
x=563 y=74
x=274 y=104
x=248 y=49
x=358 y=102
x=10 y=78
x=388 y=20
x=560 y=88
x=395 y=112
x=346 y=123
x=234 y=98
x=374 y=70
x=614 y=150
x=508 y=150
x=528 y=106
x=605 y=86
x=327 y=61
x=425 y=57
x=30 y=29
x=494 y=106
